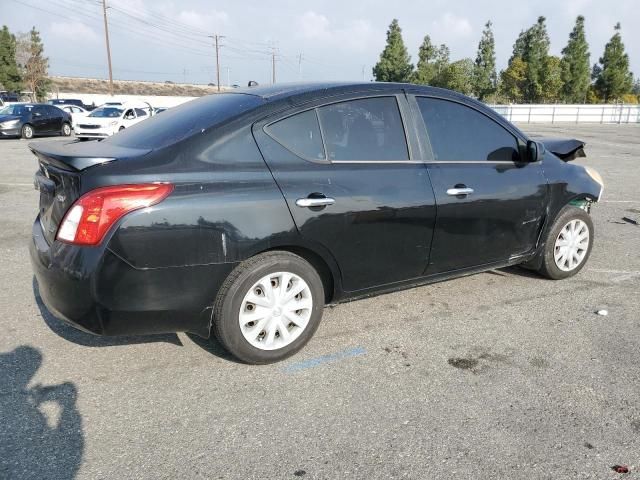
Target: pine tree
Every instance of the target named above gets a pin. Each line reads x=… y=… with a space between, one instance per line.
x=532 y=47
x=394 y=64
x=35 y=64
x=612 y=76
x=425 y=69
x=440 y=66
x=575 y=65
x=9 y=74
x=552 y=80
x=485 y=78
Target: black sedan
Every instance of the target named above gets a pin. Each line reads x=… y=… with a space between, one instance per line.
x=27 y=120
x=242 y=214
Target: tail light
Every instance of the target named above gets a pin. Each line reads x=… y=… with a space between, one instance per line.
x=93 y=214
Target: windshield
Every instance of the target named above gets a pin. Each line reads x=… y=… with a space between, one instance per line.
x=15 y=109
x=106 y=112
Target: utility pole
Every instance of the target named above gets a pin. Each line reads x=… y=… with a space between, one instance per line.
x=228 y=75
x=106 y=35
x=217 y=44
x=300 y=66
x=273 y=65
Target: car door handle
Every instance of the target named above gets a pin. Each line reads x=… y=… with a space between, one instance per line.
x=315 y=202
x=460 y=191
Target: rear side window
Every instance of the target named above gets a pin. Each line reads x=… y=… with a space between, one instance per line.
x=368 y=129
x=140 y=112
x=299 y=133
x=460 y=133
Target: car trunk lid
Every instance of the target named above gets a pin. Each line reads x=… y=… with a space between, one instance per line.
x=59 y=175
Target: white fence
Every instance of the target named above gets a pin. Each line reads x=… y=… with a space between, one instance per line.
x=616 y=113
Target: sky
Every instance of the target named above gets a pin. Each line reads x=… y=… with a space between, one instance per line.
x=162 y=40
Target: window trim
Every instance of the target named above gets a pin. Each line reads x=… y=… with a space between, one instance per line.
x=402 y=107
x=418 y=113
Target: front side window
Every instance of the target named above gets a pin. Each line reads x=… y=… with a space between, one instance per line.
x=368 y=129
x=299 y=133
x=140 y=112
x=460 y=133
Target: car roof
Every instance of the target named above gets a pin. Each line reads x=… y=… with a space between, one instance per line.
x=300 y=93
x=285 y=90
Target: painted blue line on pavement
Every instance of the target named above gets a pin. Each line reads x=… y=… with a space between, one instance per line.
x=332 y=357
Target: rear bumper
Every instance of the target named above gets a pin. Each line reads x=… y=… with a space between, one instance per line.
x=95 y=291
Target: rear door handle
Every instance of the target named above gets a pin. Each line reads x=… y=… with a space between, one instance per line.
x=315 y=202
x=460 y=191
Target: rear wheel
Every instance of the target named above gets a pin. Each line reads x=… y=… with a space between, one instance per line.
x=66 y=129
x=269 y=307
x=568 y=244
x=27 y=131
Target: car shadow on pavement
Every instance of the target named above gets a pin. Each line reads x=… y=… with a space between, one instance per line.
x=520 y=272
x=62 y=329
x=40 y=425
x=213 y=346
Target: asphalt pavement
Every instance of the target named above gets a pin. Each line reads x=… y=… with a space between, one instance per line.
x=498 y=375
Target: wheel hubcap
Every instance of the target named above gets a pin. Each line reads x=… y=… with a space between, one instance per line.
x=571 y=245
x=275 y=311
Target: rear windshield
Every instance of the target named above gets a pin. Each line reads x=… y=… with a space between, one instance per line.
x=182 y=121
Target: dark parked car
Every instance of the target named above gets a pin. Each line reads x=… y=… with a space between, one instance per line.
x=242 y=214
x=9 y=96
x=71 y=101
x=27 y=120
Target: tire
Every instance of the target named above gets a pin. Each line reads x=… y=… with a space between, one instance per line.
x=120 y=129
x=567 y=264
x=27 y=132
x=66 y=129
x=279 y=330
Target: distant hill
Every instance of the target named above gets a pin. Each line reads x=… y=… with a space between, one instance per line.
x=128 y=87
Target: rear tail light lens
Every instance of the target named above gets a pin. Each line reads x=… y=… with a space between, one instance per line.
x=93 y=214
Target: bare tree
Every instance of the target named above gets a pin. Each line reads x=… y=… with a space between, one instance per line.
x=33 y=64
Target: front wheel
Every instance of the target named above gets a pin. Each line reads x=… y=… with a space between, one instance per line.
x=568 y=244
x=27 y=131
x=269 y=307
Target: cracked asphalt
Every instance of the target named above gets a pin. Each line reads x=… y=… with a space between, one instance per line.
x=497 y=375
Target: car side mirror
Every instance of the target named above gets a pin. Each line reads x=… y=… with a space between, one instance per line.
x=535 y=151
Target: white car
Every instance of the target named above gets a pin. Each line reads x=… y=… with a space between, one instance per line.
x=109 y=119
x=77 y=113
